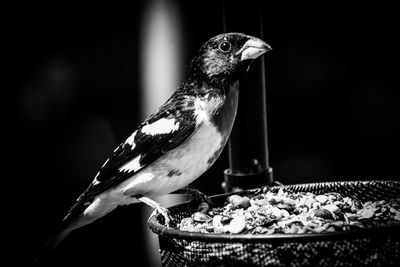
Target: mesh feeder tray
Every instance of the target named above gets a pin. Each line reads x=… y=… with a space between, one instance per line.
x=378 y=246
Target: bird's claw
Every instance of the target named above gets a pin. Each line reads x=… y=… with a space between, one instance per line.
x=157 y=207
x=207 y=200
x=202 y=196
x=165 y=213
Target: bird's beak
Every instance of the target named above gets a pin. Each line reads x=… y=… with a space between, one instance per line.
x=253 y=48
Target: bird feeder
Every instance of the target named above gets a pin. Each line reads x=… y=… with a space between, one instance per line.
x=364 y=247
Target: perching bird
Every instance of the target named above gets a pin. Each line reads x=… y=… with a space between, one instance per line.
x=177 y=143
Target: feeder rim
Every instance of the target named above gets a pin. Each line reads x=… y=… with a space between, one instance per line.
x=169 y=232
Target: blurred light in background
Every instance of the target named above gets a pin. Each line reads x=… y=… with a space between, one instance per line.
x=161 y=69
x=161 y=57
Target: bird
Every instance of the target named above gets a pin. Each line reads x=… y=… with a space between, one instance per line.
x=176 y=144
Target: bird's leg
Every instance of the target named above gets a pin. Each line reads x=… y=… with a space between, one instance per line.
x=157 y=206
x=195 y=193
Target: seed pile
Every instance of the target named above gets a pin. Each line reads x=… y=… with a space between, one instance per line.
x=285 y=212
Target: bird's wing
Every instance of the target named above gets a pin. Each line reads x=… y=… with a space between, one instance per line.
x=171 y=125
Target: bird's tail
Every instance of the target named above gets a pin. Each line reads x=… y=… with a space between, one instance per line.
x=47 y=249
x=71 y=222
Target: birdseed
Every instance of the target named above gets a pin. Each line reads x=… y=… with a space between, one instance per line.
x=285 y=212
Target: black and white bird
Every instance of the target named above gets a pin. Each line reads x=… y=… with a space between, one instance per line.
x=177 y=143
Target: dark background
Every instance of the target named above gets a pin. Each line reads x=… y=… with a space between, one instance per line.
x=333 y=107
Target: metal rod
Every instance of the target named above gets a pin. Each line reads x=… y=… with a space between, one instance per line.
x=248 y=144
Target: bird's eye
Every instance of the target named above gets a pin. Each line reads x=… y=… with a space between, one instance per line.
x=225 y=46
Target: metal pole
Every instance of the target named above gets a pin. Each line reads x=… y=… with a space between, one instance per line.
x=248 y=144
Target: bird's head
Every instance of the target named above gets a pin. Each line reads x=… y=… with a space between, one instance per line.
x=226 y=57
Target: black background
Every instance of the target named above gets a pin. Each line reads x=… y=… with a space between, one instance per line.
x=333 y=107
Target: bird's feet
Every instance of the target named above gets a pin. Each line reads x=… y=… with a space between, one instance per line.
x=204 y=198
x=160 y=209
x=165 y=213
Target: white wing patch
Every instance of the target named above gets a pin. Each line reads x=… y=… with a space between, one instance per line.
x=132 y=166
x=95 y=181
x=131 y=140
x=162 y=126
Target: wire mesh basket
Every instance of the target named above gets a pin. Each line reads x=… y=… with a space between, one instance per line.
x=378 y=246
